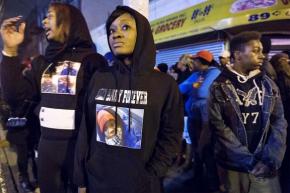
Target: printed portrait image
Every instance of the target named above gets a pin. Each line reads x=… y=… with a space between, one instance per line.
x=66 y=85
x=68 y=68
x=62 y=80
x=113 y=128
x=47 y=84
x=243 y=5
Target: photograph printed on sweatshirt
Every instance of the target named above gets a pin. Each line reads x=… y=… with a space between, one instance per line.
x=62 y=80
x=113 y=128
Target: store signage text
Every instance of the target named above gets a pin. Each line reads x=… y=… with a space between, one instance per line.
x=198 y=14
x=169 y=25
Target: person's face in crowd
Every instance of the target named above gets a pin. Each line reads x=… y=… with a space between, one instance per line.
x=251 y=58
x=123 y=35
x=185 y=62
x=181 y=66
x=52 y=31
x=284 y=64
x=197 y=65
x=224 y=60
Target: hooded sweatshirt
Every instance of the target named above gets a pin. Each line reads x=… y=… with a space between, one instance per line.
x=132 y=123
x=57 y=81
x=249 y=97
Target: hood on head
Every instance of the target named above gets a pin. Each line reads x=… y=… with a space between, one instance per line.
x=79 y=37
x=143 y=59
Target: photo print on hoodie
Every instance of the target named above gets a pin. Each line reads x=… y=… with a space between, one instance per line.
x=112 y=123
x=120 y=135
x=63 y=80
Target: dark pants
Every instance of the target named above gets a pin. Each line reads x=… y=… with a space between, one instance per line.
x=24 y=154
x=201 y=140
x=55 y=166
x=24 y=142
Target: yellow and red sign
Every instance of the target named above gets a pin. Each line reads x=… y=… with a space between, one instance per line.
x=216 y=15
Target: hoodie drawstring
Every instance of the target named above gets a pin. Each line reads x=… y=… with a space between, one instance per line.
x=259 y=92
x=116 y=74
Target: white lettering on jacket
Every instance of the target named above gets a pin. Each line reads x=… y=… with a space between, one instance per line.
x=123 y=96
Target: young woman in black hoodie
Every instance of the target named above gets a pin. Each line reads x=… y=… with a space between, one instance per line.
x=133 y=117
x=57 y=84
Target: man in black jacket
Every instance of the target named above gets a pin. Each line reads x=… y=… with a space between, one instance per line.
x=248 y=121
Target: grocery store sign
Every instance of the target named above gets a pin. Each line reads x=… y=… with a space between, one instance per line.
x=216 y=15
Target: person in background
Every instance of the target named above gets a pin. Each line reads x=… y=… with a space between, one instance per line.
x=182 y=70
x=58 y=97
x=196 y=87
x=24 y=138
x=247 y=118
x=184 y=67
x=109 y=57
x=146 y=107
x=163 y=67
x=267 y=66
x=224 y=59
x=172 y=72
x=281 y=64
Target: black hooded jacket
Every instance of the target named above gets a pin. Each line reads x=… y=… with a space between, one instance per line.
x=57 y=81
x=129 y=158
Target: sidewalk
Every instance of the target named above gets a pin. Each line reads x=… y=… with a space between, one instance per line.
x=8 y=167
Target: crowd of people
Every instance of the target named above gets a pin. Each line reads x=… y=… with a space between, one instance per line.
x=117 y=126
x=237 y=114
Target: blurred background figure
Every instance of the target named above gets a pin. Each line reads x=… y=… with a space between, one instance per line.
x=172 y=72
x=196 y=87
x=281 y=65
x=183 y=67
x=162 y=67
x=267 y=66
x=224 y=59
x=24 y=138
x=109 y=57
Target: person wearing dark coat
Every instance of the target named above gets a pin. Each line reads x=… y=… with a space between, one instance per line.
x=281 y=64
x=133 y=116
